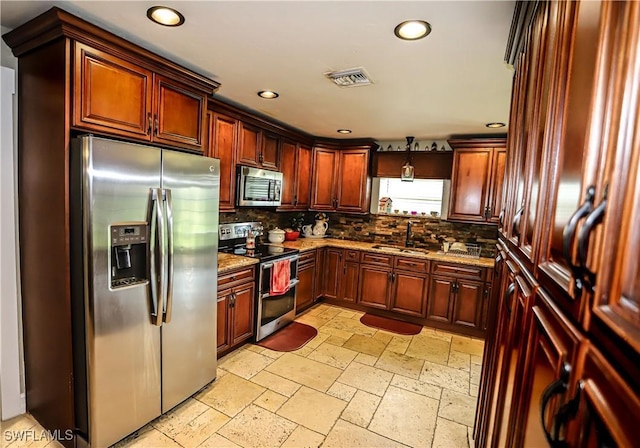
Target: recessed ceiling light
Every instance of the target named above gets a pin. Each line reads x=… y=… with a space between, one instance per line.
x=344 y=131
x=496 y=124
x=163 y=15
x=412 y=30
x=268 y=94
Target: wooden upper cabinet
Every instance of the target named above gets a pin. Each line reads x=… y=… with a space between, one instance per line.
x=249 y=145
x=268 y=157
x=115 y=96
x=353 y=189
x=325 y=172
x=295 y=165
x=223 y=140
x=477 y=180
x=341 y=179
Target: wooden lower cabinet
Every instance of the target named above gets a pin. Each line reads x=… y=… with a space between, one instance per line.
x=440 y=296
x=306 y=289
x=458 y=302
x=375 y=286
x=341 y=273
x=236 y=303
x=409 y=293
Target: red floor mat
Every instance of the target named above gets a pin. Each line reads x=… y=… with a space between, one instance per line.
x=391 y=325
x=290 y=338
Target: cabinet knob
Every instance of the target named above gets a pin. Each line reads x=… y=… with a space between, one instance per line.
x=149 y=123
x=157 y=123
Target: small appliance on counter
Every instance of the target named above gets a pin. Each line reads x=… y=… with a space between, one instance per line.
x=276 y=277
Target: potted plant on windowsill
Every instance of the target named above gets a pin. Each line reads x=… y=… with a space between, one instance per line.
x=292 y=233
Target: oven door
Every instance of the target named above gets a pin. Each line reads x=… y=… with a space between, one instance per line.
x=275 y=311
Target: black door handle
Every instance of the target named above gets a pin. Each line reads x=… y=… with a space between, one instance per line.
x=594 y=218
x=501 y=218
x=557 y=387
x=510 y=291
x=568 y=232
x=515 y=226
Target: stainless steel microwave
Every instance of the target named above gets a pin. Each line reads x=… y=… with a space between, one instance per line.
x=258 y=187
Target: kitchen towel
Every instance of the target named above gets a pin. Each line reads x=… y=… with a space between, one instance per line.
x=280 y=275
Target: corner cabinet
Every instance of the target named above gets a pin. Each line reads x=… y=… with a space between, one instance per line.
x=477 y=180
x=116 y=96
x=341 y=181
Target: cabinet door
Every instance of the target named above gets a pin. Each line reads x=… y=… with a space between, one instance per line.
x=223 y=134
x=111 y=95
x=497 y=184
x=179 y=114
x=320 y=270
x=470 y=184
x=332 y=273
x=349 y=282
x=305 y=291
x=467 y=305
x=243 y=325
x=270 y=150
x=302 y=197
x=607 y=407
x=440 y=296
x=550 y=360
x=325 y=163
x=288 y=167
x=249 y=145
x=375 y=286
x=353 y=189
x=409 y=293
x=222 y=327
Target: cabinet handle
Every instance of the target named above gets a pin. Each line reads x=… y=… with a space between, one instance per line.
x=568 y=232
x=515 y=226
x=594 y=218
x=295 y=201
x=487 y=212
x=557 y=387
x=510 y=291
x=567 y=412
x=155 y=116
x=501 y=218
x=149 y=123
x=232 y=300
x=389 y=277
x=261 y=157
x=393 y=277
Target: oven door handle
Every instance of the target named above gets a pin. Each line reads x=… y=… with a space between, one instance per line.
x=292 y=284
x=270 y=265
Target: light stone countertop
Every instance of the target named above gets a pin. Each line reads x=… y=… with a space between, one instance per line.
x=228 y=262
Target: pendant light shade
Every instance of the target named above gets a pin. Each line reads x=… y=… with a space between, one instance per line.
x=406 y=175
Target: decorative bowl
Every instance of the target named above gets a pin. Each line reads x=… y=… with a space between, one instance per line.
x=276 y=235
x=291 y=235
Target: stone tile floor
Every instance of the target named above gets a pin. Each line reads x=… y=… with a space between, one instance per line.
x=351 y=386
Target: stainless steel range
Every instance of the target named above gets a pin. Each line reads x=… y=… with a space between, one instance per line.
x=273 y=310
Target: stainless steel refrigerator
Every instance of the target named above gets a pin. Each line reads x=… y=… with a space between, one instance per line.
x=144 y=268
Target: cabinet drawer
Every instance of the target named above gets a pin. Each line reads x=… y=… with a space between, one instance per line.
x=307 y=257
x=235 y=278
x=457 y=270
x=411 y=264
x=377 y=259
x=352 y=255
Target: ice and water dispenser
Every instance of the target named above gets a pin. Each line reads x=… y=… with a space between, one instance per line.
x=129 y=254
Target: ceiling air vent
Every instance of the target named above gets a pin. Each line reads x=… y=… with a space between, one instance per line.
x=353 y=77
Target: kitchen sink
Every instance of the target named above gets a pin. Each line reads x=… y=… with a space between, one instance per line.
x=399 y=249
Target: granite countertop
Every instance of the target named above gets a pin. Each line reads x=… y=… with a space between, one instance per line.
x=228 y=262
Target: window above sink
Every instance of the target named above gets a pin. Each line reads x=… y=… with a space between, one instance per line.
x=422 y=196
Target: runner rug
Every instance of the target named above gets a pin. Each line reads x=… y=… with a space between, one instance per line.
x=391 y=325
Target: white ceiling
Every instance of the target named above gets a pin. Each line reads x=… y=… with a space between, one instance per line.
x=452 y=82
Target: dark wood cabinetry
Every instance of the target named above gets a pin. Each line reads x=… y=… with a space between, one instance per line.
x=258 y=148
x=572 y=206
x=223 y=139
x=307 y=276
x=116 y=96
x=477 y=180
x=341 y=274
x=235 y=308
x=295 y=165
x=341 y=179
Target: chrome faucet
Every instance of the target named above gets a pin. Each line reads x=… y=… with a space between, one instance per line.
x=408 y=242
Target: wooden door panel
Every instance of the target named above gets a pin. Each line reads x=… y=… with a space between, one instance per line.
x=375 y=284
x=302 y=195
x=325 y=162
x=222 y=327
x=288 y=167
x=497 y=184
x=353 y=181
x=249 y=145
x=243 y=312
x=469 y=184
x=320 y=272
x=268 y=157
x=111 y=95
x=467 y=308
x=440 y=296
x=179 y=114
x=332 y=271
x=409 y=294
x=305 y=291
x=223 y=137
x=349 y=282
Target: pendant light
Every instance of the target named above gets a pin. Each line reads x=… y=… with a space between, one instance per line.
x=406 y=175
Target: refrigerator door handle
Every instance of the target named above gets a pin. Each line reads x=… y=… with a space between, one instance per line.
x=156 y=239
x=169 y=292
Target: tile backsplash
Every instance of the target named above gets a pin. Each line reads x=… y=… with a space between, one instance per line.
x=427 y=233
